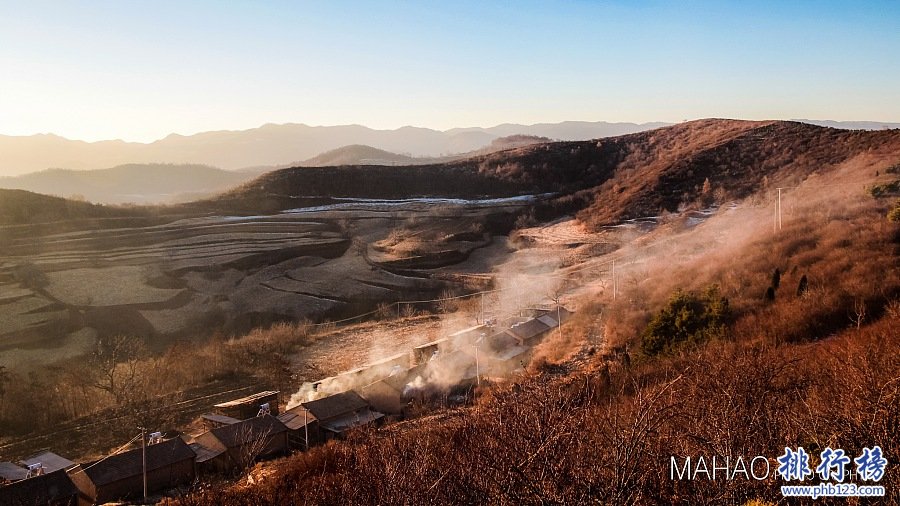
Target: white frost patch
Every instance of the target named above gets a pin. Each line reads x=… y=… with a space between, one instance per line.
x=348 y=203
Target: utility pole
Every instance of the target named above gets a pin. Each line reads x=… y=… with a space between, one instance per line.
x=477 y=367
x=306 y=428
x=779 y=209
x=482 y=308
x=615 y=286
x=777 y=225
x=144 y=458
x=558 y=320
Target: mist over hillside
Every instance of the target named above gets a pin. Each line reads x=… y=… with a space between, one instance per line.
x=275 y=145
x=305 y=273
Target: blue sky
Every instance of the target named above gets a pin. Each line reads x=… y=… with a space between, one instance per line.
x=141 y=70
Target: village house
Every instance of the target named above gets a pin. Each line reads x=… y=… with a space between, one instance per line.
x=340 y=412
x=49 y=462
x=529 y=331
x=238 y=445
x=214 y=420
x=10 y=472
x=303 y=428
x=53 y=489
x=469 y=336
x=250 y=406
x=170 y=464
x=425 y=352
x=386 y=395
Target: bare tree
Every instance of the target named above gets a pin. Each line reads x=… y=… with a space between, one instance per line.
x=447 y=303
x=116 y=364
x=253 y=442
x=859 y=312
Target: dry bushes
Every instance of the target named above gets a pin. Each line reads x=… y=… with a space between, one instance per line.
x=813 y=368
x=126 y=379
x=585 y=437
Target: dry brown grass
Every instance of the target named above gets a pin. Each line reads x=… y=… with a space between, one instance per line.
x=580 y=437
x=811 y=370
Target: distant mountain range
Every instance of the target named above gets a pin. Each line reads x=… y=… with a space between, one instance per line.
x=851 y=125
x=157 y=183
x=367 y=155
x=603 y=181
x=181 y=168
x=276 y=145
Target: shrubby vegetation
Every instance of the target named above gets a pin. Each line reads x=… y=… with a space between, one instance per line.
x=894 y=214
x=121 y=378
x=885 y=189
x=572 y=434
x=688 y=318
x=585 y=428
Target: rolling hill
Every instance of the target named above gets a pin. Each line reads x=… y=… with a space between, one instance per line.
x=131 y=183
x=607 y=180
x=358 y=154
x=19 y=207
x=367 y=155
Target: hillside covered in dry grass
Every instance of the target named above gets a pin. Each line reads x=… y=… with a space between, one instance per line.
x=605 y=180
x=724 y=334
x=804 y=349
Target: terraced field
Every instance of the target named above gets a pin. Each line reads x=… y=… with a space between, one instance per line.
x=193 y=276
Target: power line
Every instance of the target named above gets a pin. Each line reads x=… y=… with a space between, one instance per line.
x=110 y=419
x=118 y=451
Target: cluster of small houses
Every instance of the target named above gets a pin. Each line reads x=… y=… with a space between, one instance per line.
x=252 y=428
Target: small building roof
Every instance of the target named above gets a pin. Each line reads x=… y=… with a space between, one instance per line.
x=437 y=342
x=237 y=434
x=384 y=396
x=220 y=419
x=474 y=329
x=205 y=453
x=49 y=461
x=335 y=405
x=513 y=352
x=529 y=329
x=380 y=388
x=250 y=399
x=350 y=420
x=12 y=472
x=387 y=360
x=563 y=313
x=296 y=418
x=49 y=488
x=125 y=465
x=502 y=341
x=548 y=320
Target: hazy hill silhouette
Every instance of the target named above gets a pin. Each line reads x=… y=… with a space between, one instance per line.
x=157 y=183
x=358 y=154
x=20 y=207
x=273 y=145
x=367 y=155
x=851 y=125
x=137 y=183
